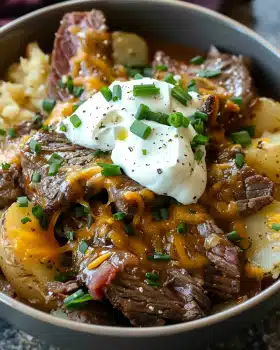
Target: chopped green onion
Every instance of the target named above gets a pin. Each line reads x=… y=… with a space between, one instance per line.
x=75 y=120
x=192 y=86
x=131 y=72
x=199 y=140
x=176 y=119
x=81 y=211
x=99 y=153
x=144 y=152
x=5 y=166
x=35 y=146
x=142 y=111
x=2 y=132
x=197 y=60
x=275 y=227
x=153 y=283
x=48 y=104
x=61 y=84
x=22 y=202
x=107 y=93
x=70 y=84
x=53 y=170
x=11 y=132
x=25 y=220
x=200 y=115
x=83 y=247
x=138 y=76
x=251 y=130
x=119 y=216
x=209 y=73
x=79 y=293
x=37 y=118
x=164 y=213
x=157 y=117
x=140 y=129
x=63 y=127
x=159 y=256
x=237 y=100
x=36 y=177
x=239 y=160
x=198 y=126
x=233 y=236
x=129 y=230
x=78 y=91
x=117 y=93
x=89 y=221
x=241 y=137
x=70 y=235
x=182 y=227
x=181 y=95
x=161 y=68
x=145 y=90
x=169 y=78
x=37 y=211
x=82 y=299
x=45 y=127
x=148 y=72
x=186 y=122
x=152 y=276
x=55 y=158
x=198 y=155
x=110 y=169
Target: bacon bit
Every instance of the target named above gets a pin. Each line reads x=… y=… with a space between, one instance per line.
x=98 y=261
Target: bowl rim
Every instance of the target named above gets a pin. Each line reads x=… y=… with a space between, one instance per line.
x=145 y=331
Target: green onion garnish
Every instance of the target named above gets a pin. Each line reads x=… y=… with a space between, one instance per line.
x=53 y=170
x=48 y=104
x=99 y=153
x=144 y=152
x=22 y=202
x=25 y=219
x=83 y=247
x=152 y=276
x=157 y=117
x=209 y=73
x=169 y=78
x=241 y=137
x=197 y=60
x=153 y=283
x=186 y=122
x=275 y=227
x=239 y=160
x=2 y=132
x=161 y=68
x=176 y=119
x=89 y=221
x=107 y=93
x=61 y=84
x=129 y=230
x=117 y=93
x=145 y=90
x=233 y=236
x=181 y=95
x=148 y=72
x=237 y=100
x=11 y=132
x=164 y=213
x=198 y=155
x=5 y=166
x=45 y=127
x=198 y=126
x=55 y=158
x=70 y=84
x=142 y=111
x=37 y=211
x=138 y=76
x=182 y=227
x=63 y=127
x=131 y=72
x=75 y=120
x=35 y=146
x=81 y=211
x=119 y=216
x=36 y=177
x=70 y=235
x=251 y=130
x=159 y=256
x=199 y=140
x=77 y=91
x=192 y=86
x=110 y=169
x=140 y=129
x=79 y=293
x=80 y=300
x=200 y=115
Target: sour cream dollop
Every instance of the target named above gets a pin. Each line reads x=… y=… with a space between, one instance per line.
x=164 y=162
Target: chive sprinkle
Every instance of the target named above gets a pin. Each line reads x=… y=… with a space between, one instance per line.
x=241 y=137
x=140 y=129
x=5 y=166
x=148 y=72
x=36 y=177
x=48 y=104
x=89 y=221
x=250 y=129
x=181 y=95
x=129 y=230
x=197 y=60
x=75 y=120
x=107 y=93
x=138 y=76
x=192 y=86
x=22 y=202
x=209 y=73
x=45 y=127
x=37 y=211
x=79 y=293
x=63 y=127
x=239 y=160
x=70 y=84
x=119 y=216
x=53 y=170
x=145 y=90
x=83 y=247
x=182 y=227
x=159 y=256
x=176 y=119
x=198 y=155
x=186 y=122
x=25 y=220
x=110 y=169
x=275 y=227
x=233 y=236
x=35 y=146
x=142 y=111
x=237 y=100
x=2 y=132
x=158 y=117
x=80 y=300
x=61 y=84
x=199 y=140
x=55 y=158
x=70 y=235
x=11 y=132
x=200 y=115
x=117 y=93
x=152 y=276
x=198 y=126
x=100 y=153
x=169 y=78
x=144 y=152
x=161 y=68
x=78 y=91
x=153 y=283
x=131 y=72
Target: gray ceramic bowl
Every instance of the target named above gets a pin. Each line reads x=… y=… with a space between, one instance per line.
x=168 y=21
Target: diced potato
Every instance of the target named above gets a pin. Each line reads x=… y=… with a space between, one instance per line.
x=129 y=49
x=264 y=252
x=264 y=155
x=266 y=115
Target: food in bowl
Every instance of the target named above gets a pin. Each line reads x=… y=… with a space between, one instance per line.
x=135 y=191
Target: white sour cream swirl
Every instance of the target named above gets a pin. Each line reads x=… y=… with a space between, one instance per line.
x=168 y=165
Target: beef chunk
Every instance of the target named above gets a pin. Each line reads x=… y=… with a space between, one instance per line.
x=78 y=30
x=233 y=192
x=175 y=67
x=62 y=289
x=10 y=187
x=222 y=277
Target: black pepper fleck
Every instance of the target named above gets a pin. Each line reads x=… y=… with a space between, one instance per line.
x=159 y=171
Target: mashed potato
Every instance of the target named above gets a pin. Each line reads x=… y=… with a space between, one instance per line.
x=21 y=96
